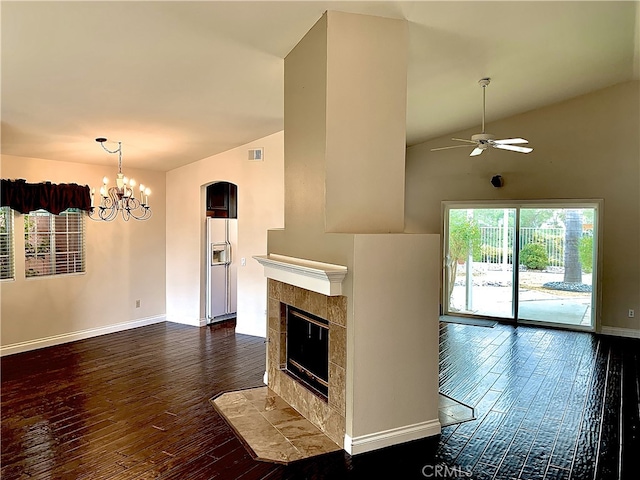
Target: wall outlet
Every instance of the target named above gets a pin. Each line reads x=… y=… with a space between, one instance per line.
x=632 y=313
x=243 y=261
x=137 y=303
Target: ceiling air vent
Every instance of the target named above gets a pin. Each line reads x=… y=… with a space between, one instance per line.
x=256 y=154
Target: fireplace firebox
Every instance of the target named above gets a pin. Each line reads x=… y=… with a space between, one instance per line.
x=308 y=350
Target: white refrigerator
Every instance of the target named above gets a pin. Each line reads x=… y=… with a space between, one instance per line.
x=221 y=287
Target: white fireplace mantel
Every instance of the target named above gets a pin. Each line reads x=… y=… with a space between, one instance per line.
x=319 y=277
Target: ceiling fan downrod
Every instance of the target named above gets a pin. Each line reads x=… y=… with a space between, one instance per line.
x=483 y=83
x=482 y=141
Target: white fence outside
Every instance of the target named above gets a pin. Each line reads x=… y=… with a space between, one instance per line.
x=493 y=250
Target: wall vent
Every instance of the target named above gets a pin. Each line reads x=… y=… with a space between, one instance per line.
x=256 y=154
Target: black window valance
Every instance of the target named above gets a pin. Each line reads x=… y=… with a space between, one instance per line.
x=54 y=198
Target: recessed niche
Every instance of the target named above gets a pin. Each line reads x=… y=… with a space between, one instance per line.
x=222 y=200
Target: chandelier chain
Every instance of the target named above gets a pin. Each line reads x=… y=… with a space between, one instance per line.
x=118 y=151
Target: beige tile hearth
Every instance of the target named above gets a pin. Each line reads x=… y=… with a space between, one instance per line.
x=452 y=411
x=270 y=428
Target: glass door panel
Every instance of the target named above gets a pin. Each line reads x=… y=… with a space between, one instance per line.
x=556 y=259
x=479 y=261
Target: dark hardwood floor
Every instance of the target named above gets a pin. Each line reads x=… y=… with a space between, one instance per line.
x=550 y=404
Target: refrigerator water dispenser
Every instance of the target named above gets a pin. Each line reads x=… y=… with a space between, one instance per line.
x=220 y=254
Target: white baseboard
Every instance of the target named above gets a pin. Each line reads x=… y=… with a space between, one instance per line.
x=387 y=438
x=79 y=335
x=621 y=332
x=194 y=322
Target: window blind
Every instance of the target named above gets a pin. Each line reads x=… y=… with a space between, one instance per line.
x=6 y=244
x=54 y=244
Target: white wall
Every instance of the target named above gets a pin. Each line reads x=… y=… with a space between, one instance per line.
x=125 y=261
x=584 y=148
x=260 y=207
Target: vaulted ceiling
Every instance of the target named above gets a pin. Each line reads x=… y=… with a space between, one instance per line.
x=180 y=81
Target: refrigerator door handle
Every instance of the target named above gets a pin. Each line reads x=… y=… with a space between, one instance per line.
x=227 y=253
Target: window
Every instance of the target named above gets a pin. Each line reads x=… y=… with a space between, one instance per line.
x=6 y=243
x=53 y=244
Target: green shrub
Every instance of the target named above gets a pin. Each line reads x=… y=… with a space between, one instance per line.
x=534 y=256
x=585 y=250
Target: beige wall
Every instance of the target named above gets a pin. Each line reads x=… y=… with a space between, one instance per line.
x=348 y=126
x=305 y=145
x=365 y=124
x=394 y=330
x=305 y=121
x=125 y=261
x=260 y=207
x=584 y=148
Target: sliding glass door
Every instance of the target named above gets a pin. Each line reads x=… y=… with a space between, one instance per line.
x=554 y=249
x=556 y=265
x=479 y=261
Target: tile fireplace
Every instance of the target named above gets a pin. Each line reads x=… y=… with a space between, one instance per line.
x=325 y=410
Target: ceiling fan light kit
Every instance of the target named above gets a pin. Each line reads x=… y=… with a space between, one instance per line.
x=482 y=141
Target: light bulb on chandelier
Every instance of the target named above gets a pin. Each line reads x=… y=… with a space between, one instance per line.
x=121 y=197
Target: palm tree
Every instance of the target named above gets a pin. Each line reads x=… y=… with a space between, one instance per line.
x=573 y=233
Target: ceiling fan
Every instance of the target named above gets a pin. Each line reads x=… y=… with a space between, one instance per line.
x=483 y=140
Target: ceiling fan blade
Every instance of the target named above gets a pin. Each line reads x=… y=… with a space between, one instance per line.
x=513 y=148
x=476 y=151
x=447 y=148
x=510 y=141
x=464 y=140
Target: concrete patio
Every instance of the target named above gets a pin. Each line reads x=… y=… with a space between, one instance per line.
x=492 y=296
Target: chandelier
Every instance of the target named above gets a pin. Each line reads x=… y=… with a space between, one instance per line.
x=121 y=197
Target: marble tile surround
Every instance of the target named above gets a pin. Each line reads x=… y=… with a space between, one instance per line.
x=327 y=415
x=271 y=429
